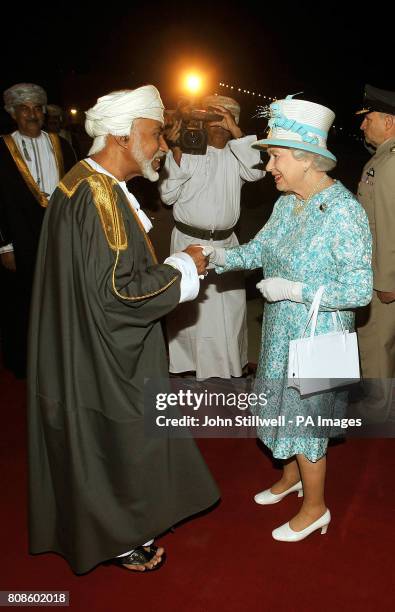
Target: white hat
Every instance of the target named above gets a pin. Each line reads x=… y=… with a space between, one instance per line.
x=229 y=103
x=298 y=124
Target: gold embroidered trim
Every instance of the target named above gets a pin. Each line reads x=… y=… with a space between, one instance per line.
x=83 y=171
x=140 y=297
x=105 y=200
x=66 y=191
x=70 y=183
x=54 y=138
x=24 y=170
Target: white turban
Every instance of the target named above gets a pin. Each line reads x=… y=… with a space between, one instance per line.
x=229 y=103
x=21 y=93
x=115 y=113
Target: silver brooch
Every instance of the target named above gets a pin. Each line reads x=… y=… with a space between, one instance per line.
x=323 y=207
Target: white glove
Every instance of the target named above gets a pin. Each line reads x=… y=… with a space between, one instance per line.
x=277 y=289
x=215 y=255
x=189 y=286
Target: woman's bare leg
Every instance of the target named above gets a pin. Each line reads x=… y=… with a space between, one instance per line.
x=313 y=479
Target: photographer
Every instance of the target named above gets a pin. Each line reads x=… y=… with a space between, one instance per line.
x=209 y=336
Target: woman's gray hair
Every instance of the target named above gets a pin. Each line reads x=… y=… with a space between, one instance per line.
x=319 y=162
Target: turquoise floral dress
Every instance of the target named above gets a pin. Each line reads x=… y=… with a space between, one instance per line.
x=328 y=243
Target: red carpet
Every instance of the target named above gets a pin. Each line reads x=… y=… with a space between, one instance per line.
x=227 y=558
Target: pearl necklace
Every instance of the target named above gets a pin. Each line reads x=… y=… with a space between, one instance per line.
x=300 y=205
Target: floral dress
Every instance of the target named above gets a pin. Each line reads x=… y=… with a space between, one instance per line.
x=329 y=244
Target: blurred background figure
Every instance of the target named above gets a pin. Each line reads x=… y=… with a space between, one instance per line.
x=56 y=124
x=31 y=164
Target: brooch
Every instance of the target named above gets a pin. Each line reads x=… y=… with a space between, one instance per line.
x=323 y=207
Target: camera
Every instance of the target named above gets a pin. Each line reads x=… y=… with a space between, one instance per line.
x=193 y=135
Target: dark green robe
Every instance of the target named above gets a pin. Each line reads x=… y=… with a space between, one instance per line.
x=98 y=485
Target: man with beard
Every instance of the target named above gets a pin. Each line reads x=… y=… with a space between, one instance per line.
x=101 y=485
x=31 y=164
x=210 y=335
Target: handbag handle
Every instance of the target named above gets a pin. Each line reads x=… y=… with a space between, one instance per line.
x=335 y=316
x=313 y=314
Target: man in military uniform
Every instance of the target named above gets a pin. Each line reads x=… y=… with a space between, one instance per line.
x=376 y=192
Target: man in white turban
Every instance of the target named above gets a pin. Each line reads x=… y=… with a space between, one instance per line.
x=209 y=336
x=102 y=483
x=31 y=164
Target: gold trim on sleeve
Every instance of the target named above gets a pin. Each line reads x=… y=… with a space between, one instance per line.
x=140 y=297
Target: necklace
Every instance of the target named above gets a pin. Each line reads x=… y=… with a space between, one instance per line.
x=300 y=205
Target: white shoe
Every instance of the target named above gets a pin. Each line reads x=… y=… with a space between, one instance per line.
x=264 y=498
x=286 y=534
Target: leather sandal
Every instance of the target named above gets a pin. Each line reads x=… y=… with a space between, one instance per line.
x=138 y=556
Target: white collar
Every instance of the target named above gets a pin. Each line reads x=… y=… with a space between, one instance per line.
x=131 y=198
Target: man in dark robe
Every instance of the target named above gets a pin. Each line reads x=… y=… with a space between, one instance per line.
x=100 y=487
x=31 y=164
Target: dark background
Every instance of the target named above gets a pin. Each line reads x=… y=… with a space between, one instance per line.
x=78 y=53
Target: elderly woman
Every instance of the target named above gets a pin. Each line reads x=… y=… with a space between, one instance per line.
x=318 y=235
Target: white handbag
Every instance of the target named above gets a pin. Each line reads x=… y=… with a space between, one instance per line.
x=324 y=362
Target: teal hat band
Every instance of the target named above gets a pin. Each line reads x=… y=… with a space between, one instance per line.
x=305 y=131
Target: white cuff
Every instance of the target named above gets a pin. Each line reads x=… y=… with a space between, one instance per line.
x=296 y=292
x=189 y=286
x=8 y=248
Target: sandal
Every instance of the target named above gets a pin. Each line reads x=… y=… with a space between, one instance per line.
x=138 y=556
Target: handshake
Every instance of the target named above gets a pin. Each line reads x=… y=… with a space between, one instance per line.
x=273 y=289
x=204 y=255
